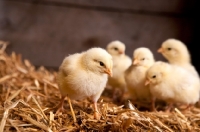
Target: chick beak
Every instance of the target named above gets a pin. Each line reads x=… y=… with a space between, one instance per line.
x=147 y=82
x=160 y=50
x=121 y=52
x=135 y=62
x=108 y=71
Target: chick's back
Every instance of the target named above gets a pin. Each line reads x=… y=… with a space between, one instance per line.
x=188 y=87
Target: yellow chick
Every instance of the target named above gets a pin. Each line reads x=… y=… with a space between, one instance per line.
x=177 y=53
x=120 y=63
x=172 y=84
x=135 y=75
x=84 y=75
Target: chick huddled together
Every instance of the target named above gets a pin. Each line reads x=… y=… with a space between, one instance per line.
x=176 y=81
x=120 y=63
x=85 y=75
x=135 y=75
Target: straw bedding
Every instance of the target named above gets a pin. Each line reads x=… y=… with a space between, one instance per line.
x=29 y=96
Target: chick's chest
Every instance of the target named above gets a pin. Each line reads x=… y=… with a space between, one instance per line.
x=92 y=83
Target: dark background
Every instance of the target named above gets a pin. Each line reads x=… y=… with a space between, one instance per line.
x=45 y=31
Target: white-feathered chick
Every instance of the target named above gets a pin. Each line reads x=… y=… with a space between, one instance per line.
x=173 y=84
x=120 y=63
x=177 y=53
x=84 y=75
x=135 y=75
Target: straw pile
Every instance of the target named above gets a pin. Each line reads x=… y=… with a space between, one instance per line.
x=29 y=96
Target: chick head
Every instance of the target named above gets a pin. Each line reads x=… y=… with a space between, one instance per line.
x=157 y=73
x=143 y=57
x=174 y=50
x=116 y=48
x=98 y=60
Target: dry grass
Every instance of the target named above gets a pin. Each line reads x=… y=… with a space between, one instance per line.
x=28 y=98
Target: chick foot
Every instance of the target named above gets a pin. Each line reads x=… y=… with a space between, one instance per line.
x=170 y=106
x=97 y=115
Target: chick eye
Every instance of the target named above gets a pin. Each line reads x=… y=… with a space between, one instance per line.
x=143 y=59
x=101 y=63
x=154 y=76
x=115 y=48
x=169 y=49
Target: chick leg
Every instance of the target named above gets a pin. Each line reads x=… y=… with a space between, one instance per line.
x=117 y=95
x=60 y=105
x=95 y=98
x=114 y=93
x=169 y=107
x=122 y=95
x=72 y=111
x=96 y=111
x=153 y=108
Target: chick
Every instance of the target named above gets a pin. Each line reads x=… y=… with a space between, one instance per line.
x=135 y=75
x=172 y=84
x=177 y=53
x=120 y=63
x=84 y=75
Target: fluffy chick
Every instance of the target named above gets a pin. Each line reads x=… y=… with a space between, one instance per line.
x=172 y=84
x=135 y=75
x=177 y=53
x=120 y=63
x=84 y=75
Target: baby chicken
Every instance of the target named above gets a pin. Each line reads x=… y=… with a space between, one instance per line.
x=135 y=75
x=177 y=53
x=120 y=63
x=172 y=84
x=84 y=75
